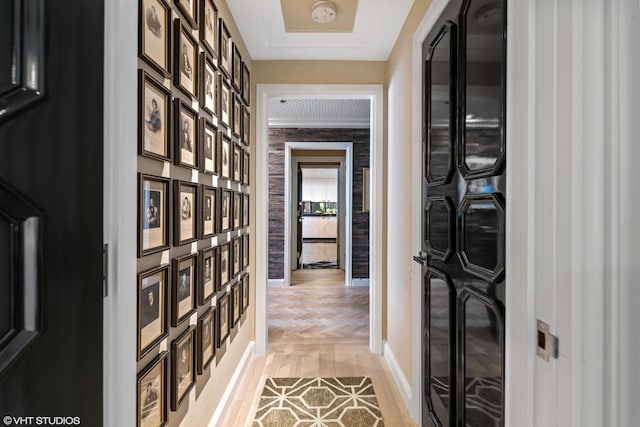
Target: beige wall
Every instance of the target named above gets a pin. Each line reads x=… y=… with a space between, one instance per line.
x=399 y=256
x=320 y=72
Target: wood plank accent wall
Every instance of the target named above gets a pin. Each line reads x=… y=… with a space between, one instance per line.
x=360 y=224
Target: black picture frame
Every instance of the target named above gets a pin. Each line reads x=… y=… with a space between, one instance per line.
x=226 y=102
x=186 y=136
x=246 y=84
x=246 y=167
x=245 y=251
x=154 y=118
x=237 y=211
x=185 y=64
x=236 y=116
x=222 y=325
x=224 y=48
x=226 y=215
x=209 y=26
x=246 y=126
x=186 y=212
x=236 y=304
x=224 y=266
x=245 y=210
x=236 y=67
x=207 y=283
x=226 y=156
x=236 y=257
x=209 y=205
x=189 y=9
x=183 y=376
x=154 y=214
x=152 y=319
x=209 y=147
x=183 y=301
x=151 y=395
x=245 y=292
x=154 y=35
x=206 y=333
x=237 y=163
x=208 y=84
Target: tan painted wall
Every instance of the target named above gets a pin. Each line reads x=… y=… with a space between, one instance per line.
x=320 y=72
x=399 y=256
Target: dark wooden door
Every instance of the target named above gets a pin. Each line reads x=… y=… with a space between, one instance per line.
x=51 y=211
x=464 y=223
x=299 y=219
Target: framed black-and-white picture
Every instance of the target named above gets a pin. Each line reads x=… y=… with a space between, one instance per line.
x=183 y=376
x=236 y=66
x=226 y=103
x=154 y=35
x=189 y=9
x=209 y=26
x=208 y=85
x=209 y=208
x=246 y=165
x=153 y=322
x=183 y=301
x=246 y=126
x=152 y=393
x=153 y=214
x=225 y=210
x=237 y=211
x=154 y=118
x=246 y=84
x=245 y=211
x=236 y=256
x=186 y=212
x=225 y=264
x=226 y=159
x=245 y=292
x=186 y=59
x=208 y=275
x=366 y=189
x=206 y=339
x=237 y=163
x=224 y=48
x=245 y=251
x=186 y=135
x=236 y=106
x=236 y=304
x=223 y=326
x=209 y=142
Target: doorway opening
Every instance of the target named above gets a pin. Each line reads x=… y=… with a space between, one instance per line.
x=266 y=93
x=319 y=214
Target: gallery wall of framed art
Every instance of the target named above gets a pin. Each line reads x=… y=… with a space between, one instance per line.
x=193 y=265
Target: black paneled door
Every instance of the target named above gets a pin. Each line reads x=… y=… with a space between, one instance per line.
x=463 y=199
x=51 y=211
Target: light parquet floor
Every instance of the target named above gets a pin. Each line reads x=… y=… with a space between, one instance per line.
x=317 y=328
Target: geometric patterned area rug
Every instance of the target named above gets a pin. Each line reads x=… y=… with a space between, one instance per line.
x=306 y=402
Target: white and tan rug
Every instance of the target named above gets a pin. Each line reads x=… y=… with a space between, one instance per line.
x=306 y=402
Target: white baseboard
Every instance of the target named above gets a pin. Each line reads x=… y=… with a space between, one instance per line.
x=398 y=376
x=232 y=384
x=275 y=283
x=360 y=282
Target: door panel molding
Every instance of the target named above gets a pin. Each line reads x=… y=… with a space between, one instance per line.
x=28 y=57
x=439 y=254
x=21 y=274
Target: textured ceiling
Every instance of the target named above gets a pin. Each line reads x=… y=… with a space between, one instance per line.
x=353 y=113
x=375 y=30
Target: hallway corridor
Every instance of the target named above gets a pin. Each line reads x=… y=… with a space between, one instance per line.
x=317 y=328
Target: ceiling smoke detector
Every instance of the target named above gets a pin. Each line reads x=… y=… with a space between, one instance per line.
x=323 y=12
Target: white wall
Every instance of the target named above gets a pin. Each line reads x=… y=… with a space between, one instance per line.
x=319 y=189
